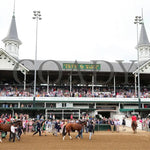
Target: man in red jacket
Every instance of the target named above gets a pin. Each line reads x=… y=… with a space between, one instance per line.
x=134 y=118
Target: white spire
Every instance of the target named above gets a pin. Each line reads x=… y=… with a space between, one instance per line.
x=143 y=43
x=12 y=41
x=143 y=40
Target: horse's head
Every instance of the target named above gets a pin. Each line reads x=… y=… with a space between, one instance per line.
x=18 y=122
x=83 y=123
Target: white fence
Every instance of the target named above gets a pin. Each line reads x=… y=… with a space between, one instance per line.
x=71 y=99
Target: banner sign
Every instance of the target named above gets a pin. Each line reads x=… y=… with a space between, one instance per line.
x=69 y=105
x=81 y=66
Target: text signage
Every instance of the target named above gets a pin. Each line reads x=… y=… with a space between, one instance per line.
x=81 y=66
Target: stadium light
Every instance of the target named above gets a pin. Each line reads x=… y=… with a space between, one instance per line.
x=36 y=16
x=138 y=20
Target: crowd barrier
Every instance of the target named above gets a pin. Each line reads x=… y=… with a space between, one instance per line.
x=103 y=127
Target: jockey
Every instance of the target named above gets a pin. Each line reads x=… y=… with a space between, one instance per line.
x=134 y=123
x=134 y=118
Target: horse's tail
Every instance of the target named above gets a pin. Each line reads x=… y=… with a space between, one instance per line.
x=64 y=131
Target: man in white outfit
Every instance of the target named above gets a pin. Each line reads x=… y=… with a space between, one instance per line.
x=12 y=132
x=117 y=124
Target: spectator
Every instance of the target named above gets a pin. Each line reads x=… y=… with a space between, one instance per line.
x=123 y=124
x=117 y=124
x=111 y=122
x=90 y=130
x=56 y=128
x=38 y=128
x=12 y=132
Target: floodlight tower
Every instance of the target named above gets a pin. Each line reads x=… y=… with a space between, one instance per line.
x=37 y=17
x=138 y=20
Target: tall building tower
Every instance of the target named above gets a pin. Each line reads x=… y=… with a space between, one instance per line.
x=143 y=45
x=12 y=41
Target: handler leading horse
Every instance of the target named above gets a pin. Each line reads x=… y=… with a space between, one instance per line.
x=6 y=127
x=72 y=127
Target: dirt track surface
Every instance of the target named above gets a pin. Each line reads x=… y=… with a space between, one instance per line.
x=124 y=140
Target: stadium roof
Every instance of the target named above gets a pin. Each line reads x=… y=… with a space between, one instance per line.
x=9 y=62
x=144 y=68
x=105 y=66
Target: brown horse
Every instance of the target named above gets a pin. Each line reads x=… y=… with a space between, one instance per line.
x=72 y=127
x=134 y=126
x=6 y=127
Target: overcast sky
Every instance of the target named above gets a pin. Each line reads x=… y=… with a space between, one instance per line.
x=80 y=30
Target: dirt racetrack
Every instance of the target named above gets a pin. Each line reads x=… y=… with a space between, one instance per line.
x=124 y=140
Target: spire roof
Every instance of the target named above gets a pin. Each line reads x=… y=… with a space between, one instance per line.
x=12 y=33
x=143 y=40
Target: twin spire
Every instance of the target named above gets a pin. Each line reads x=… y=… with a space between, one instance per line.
x=12 y=33
x=12 y=42
x=143 y=40
x=143 y=45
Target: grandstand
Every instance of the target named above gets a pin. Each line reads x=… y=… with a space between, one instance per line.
x=75 y=88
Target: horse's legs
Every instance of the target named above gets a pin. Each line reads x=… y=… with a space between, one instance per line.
x=64 y=137
x=134 y=130
x=69 y=135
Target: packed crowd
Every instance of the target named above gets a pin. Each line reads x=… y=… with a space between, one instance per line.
x=51 y=125
x=30 y=124
x=38 y=125
x=7 y=118
x=76 y=92
x=54 y=126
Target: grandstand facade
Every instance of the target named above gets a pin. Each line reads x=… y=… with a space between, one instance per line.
x=75 y=88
